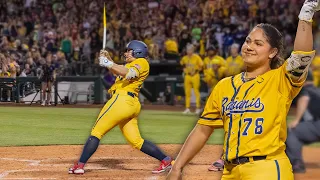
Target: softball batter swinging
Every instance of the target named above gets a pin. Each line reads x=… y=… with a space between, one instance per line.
x=252 y=106
x=124 y=107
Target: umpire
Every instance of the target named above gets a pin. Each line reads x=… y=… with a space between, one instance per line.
x=305 y=127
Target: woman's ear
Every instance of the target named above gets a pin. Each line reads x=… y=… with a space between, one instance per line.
x=273 y=53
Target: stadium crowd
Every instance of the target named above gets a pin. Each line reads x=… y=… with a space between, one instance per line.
x=68 y=33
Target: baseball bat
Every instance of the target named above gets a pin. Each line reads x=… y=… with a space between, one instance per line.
x=104 y=27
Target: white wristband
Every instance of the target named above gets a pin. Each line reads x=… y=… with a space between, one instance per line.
x=105 y=62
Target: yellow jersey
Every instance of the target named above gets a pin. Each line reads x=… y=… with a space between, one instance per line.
x=141 y=66
x=208 y=61
x=253 y=113
x=192 y=64
x=234 y=65
x=171 y=46
x=5 y=74
x=212 y=77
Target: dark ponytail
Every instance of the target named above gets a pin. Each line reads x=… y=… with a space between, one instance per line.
x=275 y=39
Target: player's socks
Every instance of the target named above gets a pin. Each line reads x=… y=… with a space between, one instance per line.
x=89 y=148
x=152 y=150
x=167 y=159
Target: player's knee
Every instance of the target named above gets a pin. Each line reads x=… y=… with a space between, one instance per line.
x=96 y=134
x=188 y=93
x=136 y=143
x=196 y=92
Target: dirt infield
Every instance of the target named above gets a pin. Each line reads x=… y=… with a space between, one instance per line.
x=114 y=162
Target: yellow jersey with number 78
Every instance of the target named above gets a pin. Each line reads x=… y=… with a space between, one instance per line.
x=253 y=112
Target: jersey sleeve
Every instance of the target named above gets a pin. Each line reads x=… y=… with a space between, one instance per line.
x=211 y=115
x=140 y=66
x=287 y=86
x=293 y=73
x=200 y=63
x=182 y=61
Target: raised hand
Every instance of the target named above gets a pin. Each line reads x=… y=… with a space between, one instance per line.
x=106 y=54
x=105 y=59
x=104 y=62
x=308 y=9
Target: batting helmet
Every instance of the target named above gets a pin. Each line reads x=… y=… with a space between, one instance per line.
x=139 y=48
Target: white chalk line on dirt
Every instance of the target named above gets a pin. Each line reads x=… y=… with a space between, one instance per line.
x=6 y=173
x=30 y=162
x=37 y=163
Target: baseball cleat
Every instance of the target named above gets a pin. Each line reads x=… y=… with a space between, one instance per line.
x=217 y=166
x=164 y=165
x=187 y=111
x=198 y=111
x=77 y=169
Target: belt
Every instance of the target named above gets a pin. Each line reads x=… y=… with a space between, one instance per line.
x=124 y=92
x=243 y=160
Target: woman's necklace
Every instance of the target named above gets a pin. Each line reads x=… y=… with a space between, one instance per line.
x=246 y=78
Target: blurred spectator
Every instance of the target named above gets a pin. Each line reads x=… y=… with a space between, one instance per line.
x=50 y=42
x=214 y=68
x=234 y=61
x=159 y=40
x=171 y=49
x=86 y=47
x=196 y=32
x=66 y=45
x=184 y=39
x=96 y=67
x=315 y=66
x=47 y=77
x=61 y=64
x=75 y=27
x=4 y=64
x=27 y=72
x=5 y=94
x=227 y=42
x=154 y=51
x=14 y=67
x=167 y=95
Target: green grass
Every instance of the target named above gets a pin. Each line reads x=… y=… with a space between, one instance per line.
x=20 y=126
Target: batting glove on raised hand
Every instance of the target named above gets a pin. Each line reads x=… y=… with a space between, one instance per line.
x=308 y=9
x=104 y=62
x=105 y=59
x=106 y=54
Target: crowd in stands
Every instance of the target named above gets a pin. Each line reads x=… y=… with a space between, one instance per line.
x=68 y=33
